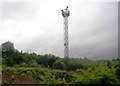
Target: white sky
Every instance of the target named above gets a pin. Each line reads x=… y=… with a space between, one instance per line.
x=37 y=26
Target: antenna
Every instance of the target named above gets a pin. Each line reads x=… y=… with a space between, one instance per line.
x=66 y=14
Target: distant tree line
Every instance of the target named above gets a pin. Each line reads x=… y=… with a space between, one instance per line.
x=11 y=58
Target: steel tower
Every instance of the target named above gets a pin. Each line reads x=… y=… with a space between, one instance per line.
x=66 y=14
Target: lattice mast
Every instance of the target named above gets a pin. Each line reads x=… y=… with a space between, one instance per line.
x=66 y=14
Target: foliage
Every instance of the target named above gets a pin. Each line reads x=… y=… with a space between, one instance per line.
x=49 y=69
x=59 y=64
x=118 y=69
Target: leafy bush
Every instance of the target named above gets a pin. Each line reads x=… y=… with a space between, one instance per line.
x=74 y=64
x=117 y=73
x=59 y=64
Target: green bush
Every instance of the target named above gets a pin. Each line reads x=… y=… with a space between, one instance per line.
x=117 y=73
x=59 y=64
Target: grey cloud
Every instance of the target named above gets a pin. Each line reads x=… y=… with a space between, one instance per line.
x=97 y=36
x=44 y=44
x=18 y=10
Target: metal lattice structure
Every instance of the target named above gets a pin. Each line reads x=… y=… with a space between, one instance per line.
x=66 y=14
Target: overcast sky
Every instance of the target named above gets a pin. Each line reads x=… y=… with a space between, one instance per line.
x=37 y=26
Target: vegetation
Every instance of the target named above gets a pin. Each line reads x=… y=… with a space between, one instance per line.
x=49 y=69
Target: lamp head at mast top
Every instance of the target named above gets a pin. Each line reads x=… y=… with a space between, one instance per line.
x=65 y=12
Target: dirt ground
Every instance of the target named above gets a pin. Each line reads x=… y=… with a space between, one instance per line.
x=18 y=79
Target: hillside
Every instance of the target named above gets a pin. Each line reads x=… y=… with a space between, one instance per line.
x=24 y=68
